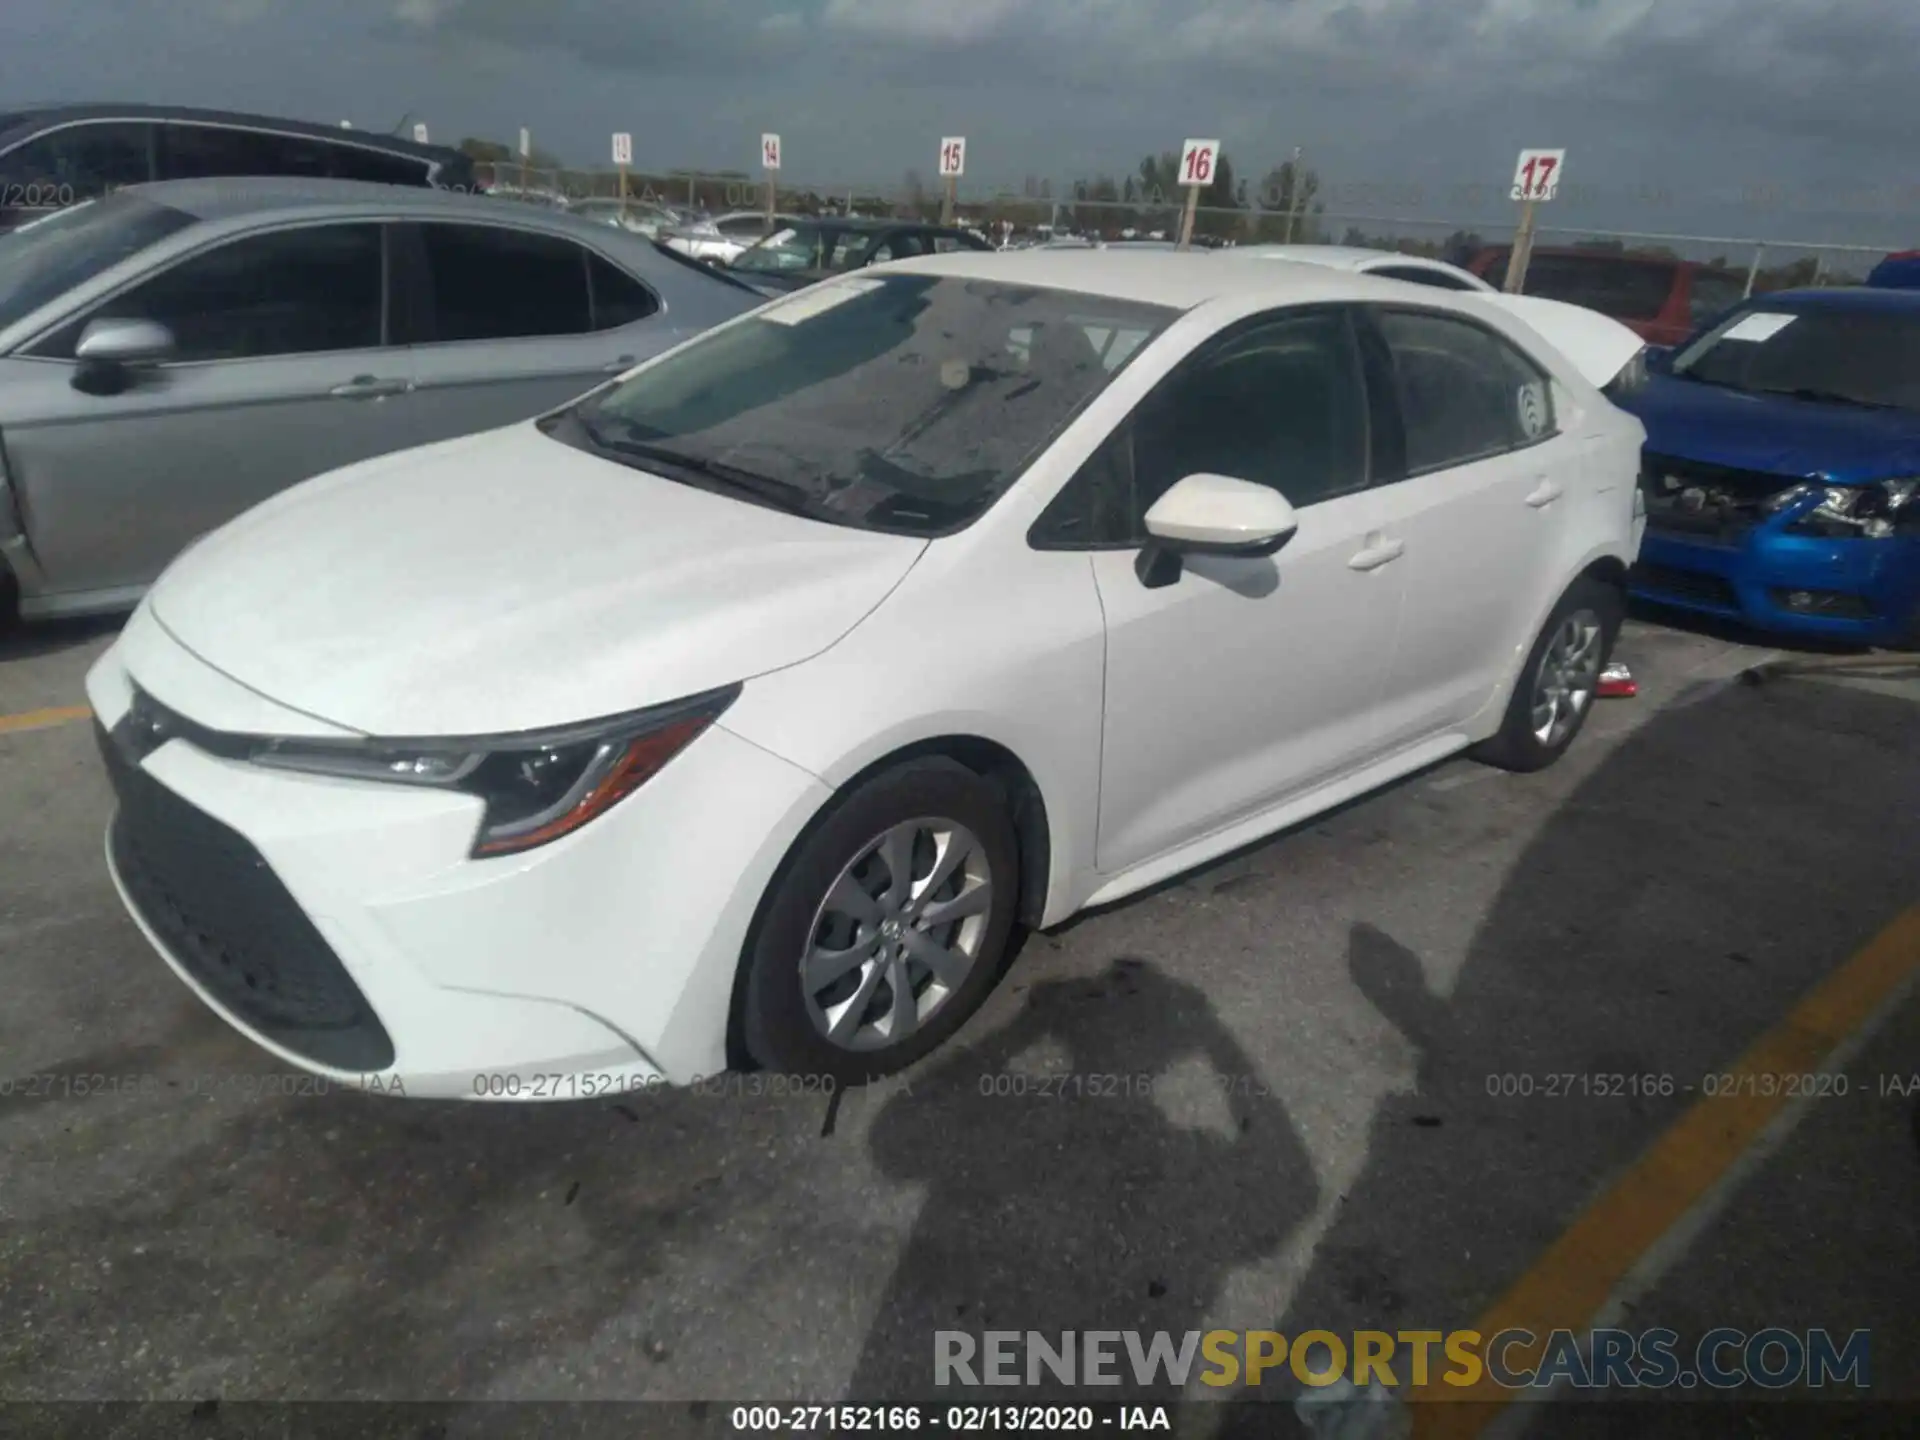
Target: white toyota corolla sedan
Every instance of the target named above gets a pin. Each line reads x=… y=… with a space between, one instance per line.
x=738 y=712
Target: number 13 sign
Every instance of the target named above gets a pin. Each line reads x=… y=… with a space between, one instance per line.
x=1537 y=176
x=1196 y=161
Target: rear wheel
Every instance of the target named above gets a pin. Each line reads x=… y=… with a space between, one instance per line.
x=1557 y=686
x=886 y=928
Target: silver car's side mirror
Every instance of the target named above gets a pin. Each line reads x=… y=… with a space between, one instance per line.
x=124 y=342
x=110 y=350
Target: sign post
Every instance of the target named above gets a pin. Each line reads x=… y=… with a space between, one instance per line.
x=1293 y=194
x=953 y=164
x=770 y=162
x=1536 y=178
x=1197 y=159
x=623 y=157
x=526 y=149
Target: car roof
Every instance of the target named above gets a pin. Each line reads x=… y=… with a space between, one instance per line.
x=1179 y=280
x=21 y=123
x=1346 y=257
x=232 y=196
x=1843 y=297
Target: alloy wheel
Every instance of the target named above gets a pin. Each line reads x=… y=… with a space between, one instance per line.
x=1568 y=677
x=898 y=933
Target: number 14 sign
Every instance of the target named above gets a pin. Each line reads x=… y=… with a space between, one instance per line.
x=1537 y=176
x=1197 y=160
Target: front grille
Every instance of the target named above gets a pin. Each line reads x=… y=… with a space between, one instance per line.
x=1713 y=504
x=225 y=916
x=1688 y=585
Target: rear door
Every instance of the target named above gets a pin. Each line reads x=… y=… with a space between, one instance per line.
x=1479 y=513
x=281 y=371
x=507 y=323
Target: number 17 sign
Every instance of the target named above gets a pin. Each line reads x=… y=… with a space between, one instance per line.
x=1537 y=175
x=1197 y=160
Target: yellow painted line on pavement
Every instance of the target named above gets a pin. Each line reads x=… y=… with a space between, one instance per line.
x=1571 y=1282
x=43 y=719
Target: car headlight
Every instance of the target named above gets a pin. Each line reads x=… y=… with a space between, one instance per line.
x=538 y=785
x=1872 y=510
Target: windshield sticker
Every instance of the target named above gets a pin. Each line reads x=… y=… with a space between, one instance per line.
x=1533 y=410
x=1761 y=325
x=818 y=300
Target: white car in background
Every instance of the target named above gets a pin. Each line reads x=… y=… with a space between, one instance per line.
x=739 y=711
x=1389 y=264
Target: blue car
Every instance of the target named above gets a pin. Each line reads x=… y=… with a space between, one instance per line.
x=1782 y=474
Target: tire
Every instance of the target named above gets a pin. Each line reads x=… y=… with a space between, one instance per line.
x=798 y=1021
x=1519 y=745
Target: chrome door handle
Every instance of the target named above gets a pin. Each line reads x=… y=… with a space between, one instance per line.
x=1378 y=552
x=618 y=366
x=1545 y=494
x=370 y=387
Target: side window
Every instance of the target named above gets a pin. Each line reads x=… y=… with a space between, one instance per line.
x=947 y=244
x=1282 y=403
x=191 y=152
x=350 y=162
x=492 y=283
x=81 y=162
x=1418 y=275
x=290 y=292
x=618 y=298
x=1464 y=392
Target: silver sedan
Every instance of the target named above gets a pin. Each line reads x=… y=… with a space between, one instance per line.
x=172 y=354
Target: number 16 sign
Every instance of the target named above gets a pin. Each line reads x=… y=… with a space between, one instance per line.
x=1537 y=175
x=1197 y=160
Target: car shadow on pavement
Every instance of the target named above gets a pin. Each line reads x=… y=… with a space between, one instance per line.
x=1102 y=1161
x=1722 y=860
x=20 y=641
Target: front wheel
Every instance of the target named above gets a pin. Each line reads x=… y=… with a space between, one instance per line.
x=1557 y=686
x=886 y=928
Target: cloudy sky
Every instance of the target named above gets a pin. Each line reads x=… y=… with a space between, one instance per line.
x=1673 y=111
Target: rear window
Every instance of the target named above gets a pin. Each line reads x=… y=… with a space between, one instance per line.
x=42 y=261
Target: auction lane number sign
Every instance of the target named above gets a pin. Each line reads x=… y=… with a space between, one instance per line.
x=953 y=157
x=770 y=152
x=1537 y=174
x=622 y=148
x=1197 y=159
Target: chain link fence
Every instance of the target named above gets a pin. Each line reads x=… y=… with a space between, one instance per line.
x=1434 y=223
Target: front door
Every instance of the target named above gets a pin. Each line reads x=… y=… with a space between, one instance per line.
x=279 y=373
x=1247 y=681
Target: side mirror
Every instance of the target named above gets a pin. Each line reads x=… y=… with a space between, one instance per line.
x=1212 y=515
x=108 y=349
x=1660 y=359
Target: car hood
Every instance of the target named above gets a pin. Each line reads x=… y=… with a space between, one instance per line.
x=506 y=581
x=1775 y=433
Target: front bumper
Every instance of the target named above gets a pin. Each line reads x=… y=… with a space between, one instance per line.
x=1853 y=590
x=342 y=926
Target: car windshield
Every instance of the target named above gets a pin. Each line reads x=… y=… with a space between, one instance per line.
x=44 y=259
x=806 y=247
x=906 y=404
x=1843 y=355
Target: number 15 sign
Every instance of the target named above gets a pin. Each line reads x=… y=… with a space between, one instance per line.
x=1537 y=176
x=1196 y=161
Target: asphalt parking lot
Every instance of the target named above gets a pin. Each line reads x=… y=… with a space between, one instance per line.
x=1328 y=1149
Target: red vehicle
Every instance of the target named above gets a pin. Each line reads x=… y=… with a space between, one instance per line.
x=1662 y=301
